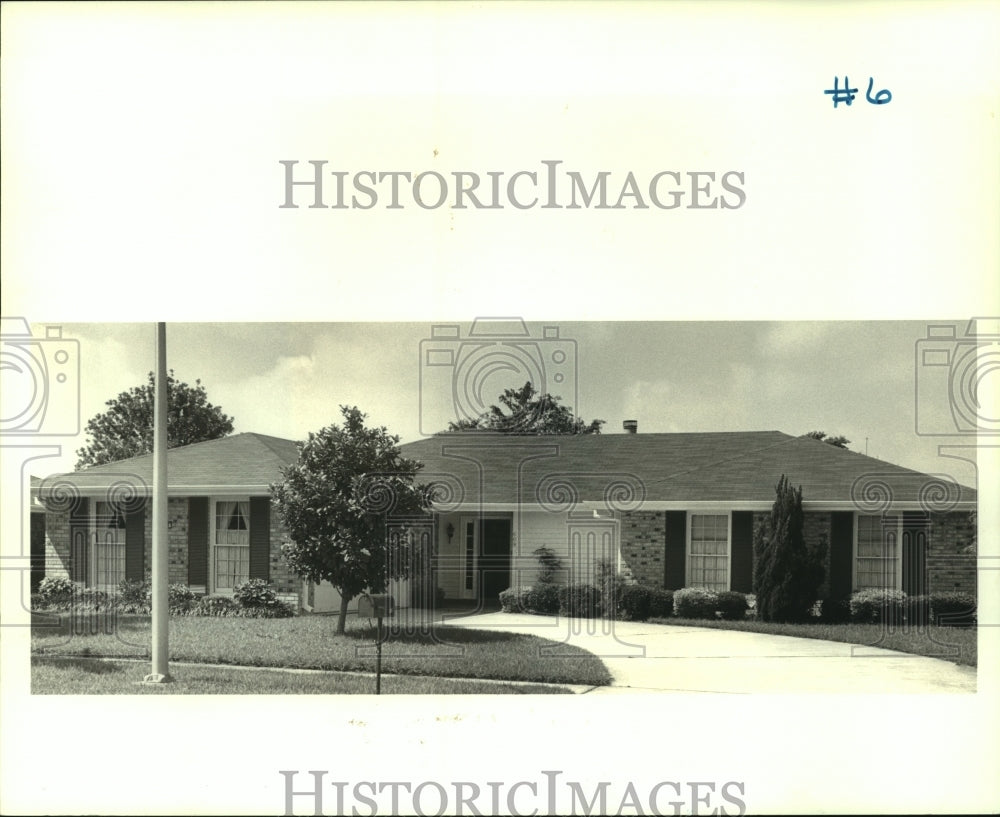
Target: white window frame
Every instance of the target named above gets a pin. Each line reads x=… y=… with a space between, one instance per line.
x=688 y=555
x=213 y=544
x=96 y=535
x=899 y=550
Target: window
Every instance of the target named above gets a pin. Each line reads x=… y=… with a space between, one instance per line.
x=878 y=563
x=107 y=562
x=708 y=552
x=231 y=544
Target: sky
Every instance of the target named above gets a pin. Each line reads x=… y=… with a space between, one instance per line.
x=852 y=378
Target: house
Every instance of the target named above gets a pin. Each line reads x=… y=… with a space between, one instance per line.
x=679 y=510
x=669 y=510
x=221 y=527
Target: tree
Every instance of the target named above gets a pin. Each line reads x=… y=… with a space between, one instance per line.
x=787 y=571
x=126 y=428
x=838 y=441
x=524 y=411
x=337 y=501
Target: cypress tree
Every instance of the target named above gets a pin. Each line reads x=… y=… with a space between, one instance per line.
x=787 y=572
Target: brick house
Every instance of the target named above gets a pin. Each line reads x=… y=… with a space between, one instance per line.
x=221 y=527
x=669 y=510
x=679 y=510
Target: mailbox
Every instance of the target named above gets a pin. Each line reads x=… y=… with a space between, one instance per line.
x=376 y=605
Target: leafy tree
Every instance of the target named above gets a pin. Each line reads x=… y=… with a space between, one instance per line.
x=787 y=571
x=126 y=428
x=337 y=501
x=838 y=441
x=525 y=411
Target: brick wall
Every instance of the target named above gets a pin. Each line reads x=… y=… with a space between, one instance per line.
x=643 y=539
x=949 y=567
x=282 y=577
x=177 y=538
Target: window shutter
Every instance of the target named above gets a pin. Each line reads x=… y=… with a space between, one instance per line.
x=916 y=528
x=841 y=554
x=135 y=544
x=675 y=550
x=198 y=542
x=79 y=535
x=741 y=577
x=260 y=537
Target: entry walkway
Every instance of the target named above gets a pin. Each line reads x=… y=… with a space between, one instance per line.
x=665 y=658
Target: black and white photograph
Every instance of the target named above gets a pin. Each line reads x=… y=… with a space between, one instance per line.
x=459 y=408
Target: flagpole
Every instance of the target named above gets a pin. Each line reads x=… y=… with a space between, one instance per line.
x=161 y=669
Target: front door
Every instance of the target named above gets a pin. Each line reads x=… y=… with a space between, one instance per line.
x=494 y=560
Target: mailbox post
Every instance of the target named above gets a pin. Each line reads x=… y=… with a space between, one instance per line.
x=377 y=606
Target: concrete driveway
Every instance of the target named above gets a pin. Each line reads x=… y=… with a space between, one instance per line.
x=663 y=658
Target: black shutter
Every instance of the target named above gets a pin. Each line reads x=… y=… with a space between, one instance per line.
x=260 y=537
x=916 y=527
x=198 y=542
x=675 y=550
x=79 y=535
x=841 y=554
x=741 y=578
x=135 y=543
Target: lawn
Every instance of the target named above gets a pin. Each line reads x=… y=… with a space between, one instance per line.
x=309 y=642
x=96 y=676
x=957 y=644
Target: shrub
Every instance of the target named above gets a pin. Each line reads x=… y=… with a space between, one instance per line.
x=876 y=606
x=214 y=606
x=661 y=603
x=57 y=590
x=787 y=570
x=953 y=609
x=693 y=602
x=90 y=598
x=510 y=600
x=542 y=598
x=548 y=565
x=133 y=596
x=917 y=610
x=635 y=602
x=180 y=597
x=835 y=611
x=255 y=593
x=732 y=606
x=580 y=601
x=610 y=585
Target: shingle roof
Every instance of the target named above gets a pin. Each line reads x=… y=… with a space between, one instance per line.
x=665 y=468
x=622 y=471
x=245 y=461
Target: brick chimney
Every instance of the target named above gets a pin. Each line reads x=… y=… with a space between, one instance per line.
x=631 y=426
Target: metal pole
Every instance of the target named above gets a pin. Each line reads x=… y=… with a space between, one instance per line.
x=378 y=656
x=161 y=670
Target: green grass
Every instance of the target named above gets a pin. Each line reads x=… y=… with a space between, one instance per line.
x=956 y=644
x=309 y=642
x=96 y=676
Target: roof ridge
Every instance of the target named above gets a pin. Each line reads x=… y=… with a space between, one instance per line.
x=863 y=456
x=116 y=463
x=268 y=440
